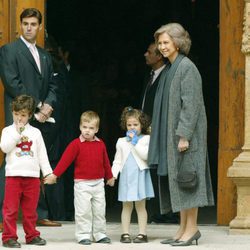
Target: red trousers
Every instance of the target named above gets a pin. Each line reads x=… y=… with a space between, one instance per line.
x=23 y=191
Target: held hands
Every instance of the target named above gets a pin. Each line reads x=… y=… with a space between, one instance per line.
x=132 y=136
x=50 y=179
x=111 y=182
x=183 y=144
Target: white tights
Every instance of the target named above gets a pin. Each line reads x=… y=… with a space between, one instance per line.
x=142 y=216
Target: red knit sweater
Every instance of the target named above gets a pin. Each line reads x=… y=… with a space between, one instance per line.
x=90 y=160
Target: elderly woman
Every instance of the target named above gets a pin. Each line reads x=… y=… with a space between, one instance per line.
x=179 y=131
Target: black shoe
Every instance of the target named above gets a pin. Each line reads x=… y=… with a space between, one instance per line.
x=38 y=241
x=105 y=240
x=125 y=238
x=11 y=243
x=85 y=242
x=140 y=238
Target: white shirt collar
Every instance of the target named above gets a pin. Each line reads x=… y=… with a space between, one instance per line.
x=158 y=71
x=28 y=44
x=82 y=139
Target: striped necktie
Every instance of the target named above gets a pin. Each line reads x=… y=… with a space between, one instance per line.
x=151 y=78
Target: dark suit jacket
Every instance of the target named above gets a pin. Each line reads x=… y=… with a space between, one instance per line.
x=20 y=75
x=149 y=93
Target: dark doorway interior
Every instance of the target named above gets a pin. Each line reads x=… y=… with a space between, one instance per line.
x=107 y=40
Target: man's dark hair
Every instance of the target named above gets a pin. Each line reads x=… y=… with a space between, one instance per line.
x=31 y=12
x=157 y=52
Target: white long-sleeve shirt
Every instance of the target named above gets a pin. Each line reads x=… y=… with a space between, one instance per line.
x=139 y=151
x=26 y=153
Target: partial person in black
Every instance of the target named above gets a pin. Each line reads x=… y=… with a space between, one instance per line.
x=155 y=61
x=60 y=197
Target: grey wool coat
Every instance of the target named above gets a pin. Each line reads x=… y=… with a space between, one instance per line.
x=186 y=117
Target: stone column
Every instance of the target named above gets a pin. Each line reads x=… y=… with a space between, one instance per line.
x=239 y=172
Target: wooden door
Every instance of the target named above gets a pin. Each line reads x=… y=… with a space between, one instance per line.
x=4 y=38
x=231 y=108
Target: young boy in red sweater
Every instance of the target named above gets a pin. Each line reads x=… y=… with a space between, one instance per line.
x=92 y=166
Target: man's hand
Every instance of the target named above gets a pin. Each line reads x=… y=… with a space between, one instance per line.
x=44 y=113
x=41 y=117
x=46 y=110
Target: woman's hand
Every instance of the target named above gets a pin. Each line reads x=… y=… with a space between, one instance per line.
x=132 y=136
x=183 y=144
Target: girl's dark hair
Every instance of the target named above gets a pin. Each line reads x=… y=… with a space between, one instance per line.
x=138 y=114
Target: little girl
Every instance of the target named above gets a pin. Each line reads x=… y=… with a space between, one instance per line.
x=130 y=160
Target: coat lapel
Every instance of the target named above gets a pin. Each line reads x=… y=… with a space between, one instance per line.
x=27 y=54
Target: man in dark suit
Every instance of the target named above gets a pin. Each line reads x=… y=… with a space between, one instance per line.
x=26 y=68
x=156 y=62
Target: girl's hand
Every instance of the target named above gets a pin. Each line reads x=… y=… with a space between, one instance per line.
x=132 y=136
x=183 y=144
x=131 y=133
x=135 y=139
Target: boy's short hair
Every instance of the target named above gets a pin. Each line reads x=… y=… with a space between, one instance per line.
x=22 y=102
x=89 y=116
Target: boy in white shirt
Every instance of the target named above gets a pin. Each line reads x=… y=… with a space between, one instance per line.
x=26 y=155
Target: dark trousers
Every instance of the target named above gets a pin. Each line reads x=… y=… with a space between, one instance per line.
x=47 y=130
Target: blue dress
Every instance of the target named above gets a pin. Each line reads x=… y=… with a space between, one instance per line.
x=134 y=184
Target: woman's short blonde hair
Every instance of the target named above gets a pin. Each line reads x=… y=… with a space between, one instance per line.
x=178 y=34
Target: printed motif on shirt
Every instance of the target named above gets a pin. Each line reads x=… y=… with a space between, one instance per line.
x=25 y=147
